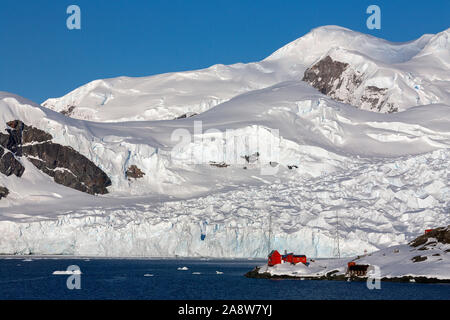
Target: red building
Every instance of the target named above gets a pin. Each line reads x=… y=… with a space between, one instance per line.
x=274 y=258
x=428 y=230
x=359 y=270
x=294 y=259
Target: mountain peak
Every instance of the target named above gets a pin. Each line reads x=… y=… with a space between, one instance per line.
x=316 y=43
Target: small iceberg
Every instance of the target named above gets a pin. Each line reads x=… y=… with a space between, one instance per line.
x=183 y=268
x=148 y=275
x=66 y=272
x=219 y=272
x=196 y=273
x=27 y=260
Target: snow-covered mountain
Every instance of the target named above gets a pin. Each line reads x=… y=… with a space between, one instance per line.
x=375 y=178
x=405 y=75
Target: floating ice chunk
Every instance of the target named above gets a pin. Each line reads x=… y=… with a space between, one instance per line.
x=183 y=268
x=196 y=273
x=66 y=272
x=219 y=272
x=148 y=275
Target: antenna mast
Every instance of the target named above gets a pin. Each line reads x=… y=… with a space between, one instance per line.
x=337 y=249
x=270 y=232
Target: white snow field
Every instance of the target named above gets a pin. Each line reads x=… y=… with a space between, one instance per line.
x=378 y=179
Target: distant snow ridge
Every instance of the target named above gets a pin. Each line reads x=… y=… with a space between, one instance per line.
x=409 y=74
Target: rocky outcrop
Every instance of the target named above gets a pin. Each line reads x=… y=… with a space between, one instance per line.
x=69 y=111
x=418 y=259
x=326 y=75
x=67 y=167
x=20 y=134
x=376 y=99
x=186 y=115
x=343 y=83
x=438 y=235
x=64 y=164
x=218 y=164
x=134 y=172
x=9 y=165
x=3 y=192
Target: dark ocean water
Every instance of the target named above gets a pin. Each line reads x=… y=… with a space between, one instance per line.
x=125 y=279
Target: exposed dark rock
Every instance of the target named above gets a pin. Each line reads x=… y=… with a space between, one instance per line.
x=69 y=111
x=19 y=134
x=340 y=81
x=331 y=273
x=29 y=134
x=68 y=167
x=372 y=96
x=324 y=73
x=376 y=98
x=186 y=115
x=441 y=235
x=251 y=158
x=14 y=141
x=418 y=259
x=218 y=165
x=292 y=167
x=3 y=192
x=4 y=138
x=10 y=165
x=134 y=172
x=64 y=164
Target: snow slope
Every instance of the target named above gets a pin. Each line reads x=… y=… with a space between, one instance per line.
x=409 y=70
x=385 y=176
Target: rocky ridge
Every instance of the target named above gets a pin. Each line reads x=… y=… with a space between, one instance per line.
x=65 y=165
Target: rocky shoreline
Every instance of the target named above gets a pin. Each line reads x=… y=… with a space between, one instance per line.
x=423 y=260
x=256 y=274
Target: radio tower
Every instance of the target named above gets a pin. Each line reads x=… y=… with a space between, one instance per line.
x=269 y=238
x=337 y=249
x=270 y=232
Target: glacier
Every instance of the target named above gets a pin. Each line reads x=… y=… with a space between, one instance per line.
x=371 y=179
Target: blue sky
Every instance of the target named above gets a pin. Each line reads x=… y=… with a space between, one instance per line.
x=40 y=58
